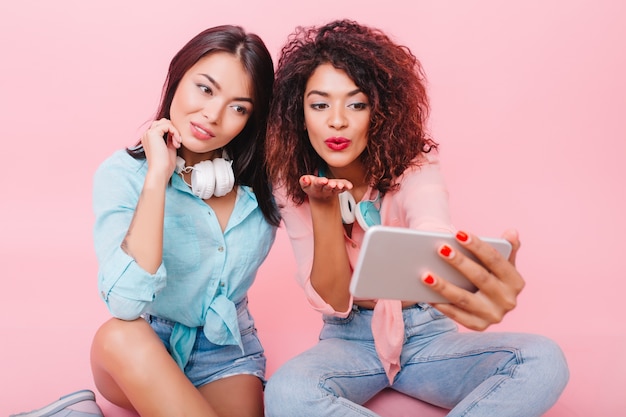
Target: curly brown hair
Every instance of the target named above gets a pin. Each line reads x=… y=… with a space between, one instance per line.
x=388 y=73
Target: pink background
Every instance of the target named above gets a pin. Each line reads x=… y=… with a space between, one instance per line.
x=528 y=104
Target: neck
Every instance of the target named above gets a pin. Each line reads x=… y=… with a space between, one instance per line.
x=192 y=158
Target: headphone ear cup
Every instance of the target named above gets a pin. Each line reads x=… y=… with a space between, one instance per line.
x=224 y=177
x=203 y=179
x=347 y=205
x=367 y=214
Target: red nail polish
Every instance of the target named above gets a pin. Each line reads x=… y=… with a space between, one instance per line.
x=428 y=279
x=445 y=250
x=462 y=236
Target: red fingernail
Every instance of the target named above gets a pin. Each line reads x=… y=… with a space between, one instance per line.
x=429 y=279
x=446 y=251
x=462 y=236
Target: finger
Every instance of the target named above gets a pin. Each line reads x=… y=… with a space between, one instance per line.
x=493 y=262
x=513 y=237
x=458 y=296
x=305 y=181
x=491 y=290
x=173 y=137
x=462 y=317
x=473 y=310
x=473 y=271
x=338 y=186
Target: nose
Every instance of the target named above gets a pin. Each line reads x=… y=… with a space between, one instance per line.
x=337 y=117
x=212 y=111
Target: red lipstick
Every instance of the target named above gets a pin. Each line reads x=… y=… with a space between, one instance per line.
x=337 y=143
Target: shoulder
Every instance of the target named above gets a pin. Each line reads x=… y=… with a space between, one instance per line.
x=425 y=167
x=120 y=170
x=121 y=160
x=121 y=164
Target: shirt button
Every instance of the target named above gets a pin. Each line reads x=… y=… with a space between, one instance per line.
x=220 y=249
x=353 y=245
x=222 y=284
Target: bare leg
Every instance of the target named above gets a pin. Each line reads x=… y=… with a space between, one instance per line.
x=133 y=370
x=235 y=396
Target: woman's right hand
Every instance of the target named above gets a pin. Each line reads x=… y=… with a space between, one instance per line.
x=320 y=189
x=161 y=154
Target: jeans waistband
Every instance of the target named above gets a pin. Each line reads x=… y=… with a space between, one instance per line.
x=421 y=306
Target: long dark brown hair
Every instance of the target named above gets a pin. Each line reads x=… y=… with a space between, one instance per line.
x=388 y=73
x=248 y=147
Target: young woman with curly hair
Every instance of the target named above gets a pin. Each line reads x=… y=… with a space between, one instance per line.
x=348 y=119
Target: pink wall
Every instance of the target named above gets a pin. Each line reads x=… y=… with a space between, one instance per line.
x=528 y=105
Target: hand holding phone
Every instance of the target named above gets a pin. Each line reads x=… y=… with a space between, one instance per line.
x=393 y=259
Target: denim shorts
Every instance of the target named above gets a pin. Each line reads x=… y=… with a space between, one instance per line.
x=210 y=362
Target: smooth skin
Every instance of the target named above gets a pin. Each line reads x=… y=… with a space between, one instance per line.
x=130 y=364
x=334 y=107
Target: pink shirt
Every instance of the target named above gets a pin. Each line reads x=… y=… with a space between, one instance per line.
x=421 y=202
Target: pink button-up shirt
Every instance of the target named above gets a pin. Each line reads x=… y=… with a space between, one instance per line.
x=421 y=202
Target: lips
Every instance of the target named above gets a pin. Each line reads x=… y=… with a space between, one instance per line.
x=337 y=143
x=201 y=133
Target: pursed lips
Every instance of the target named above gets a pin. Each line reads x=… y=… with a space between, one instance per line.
x=337 y=143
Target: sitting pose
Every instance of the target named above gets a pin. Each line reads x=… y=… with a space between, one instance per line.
x=183 y=222
x=184 y=219
x=350 y=109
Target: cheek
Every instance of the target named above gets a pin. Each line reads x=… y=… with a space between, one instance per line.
x=235 y=124
x=179 y=106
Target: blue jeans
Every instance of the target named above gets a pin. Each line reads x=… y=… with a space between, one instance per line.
x=473 y=374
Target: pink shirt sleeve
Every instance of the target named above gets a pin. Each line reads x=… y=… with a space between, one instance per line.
x=421 y=202
x=299 y=227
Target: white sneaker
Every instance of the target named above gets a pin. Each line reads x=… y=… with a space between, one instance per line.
x=77 y=404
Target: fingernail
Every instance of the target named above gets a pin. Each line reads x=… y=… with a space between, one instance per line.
x=446 y=251
x=462 y=236
x=428 y=279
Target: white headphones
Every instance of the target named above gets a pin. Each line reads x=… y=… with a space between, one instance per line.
x=366 y=213
x=208 y=178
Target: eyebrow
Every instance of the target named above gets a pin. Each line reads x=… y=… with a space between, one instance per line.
x=219 y=87
x=325 y=94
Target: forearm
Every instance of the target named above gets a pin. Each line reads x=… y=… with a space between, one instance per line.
x=331 y=272
x=144 y=239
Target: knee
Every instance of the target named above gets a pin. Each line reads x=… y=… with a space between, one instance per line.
x=287 y=393
x=560 y=369
x=117 y=339
x=551 y=365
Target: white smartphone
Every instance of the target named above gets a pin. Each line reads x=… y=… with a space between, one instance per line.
x=393 y=259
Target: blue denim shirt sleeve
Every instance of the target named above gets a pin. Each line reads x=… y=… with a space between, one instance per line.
x=125 y=287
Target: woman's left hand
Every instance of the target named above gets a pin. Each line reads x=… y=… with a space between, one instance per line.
x=498 y=282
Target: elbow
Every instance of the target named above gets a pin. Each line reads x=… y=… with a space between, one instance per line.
x=125 y=309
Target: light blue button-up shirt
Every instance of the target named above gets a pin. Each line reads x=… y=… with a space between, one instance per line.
x=204 y=272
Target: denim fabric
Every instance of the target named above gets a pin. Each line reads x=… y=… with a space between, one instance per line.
x=473 y=374
x=209 y=362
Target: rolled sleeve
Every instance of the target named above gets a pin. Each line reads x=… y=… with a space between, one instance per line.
x=127 y=288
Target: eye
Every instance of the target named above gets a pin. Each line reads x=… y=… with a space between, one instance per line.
x=240 y=109
x=358 y=106
x=205 y=89
x=319 y=106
